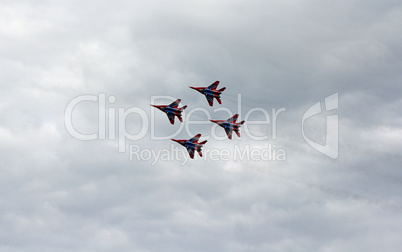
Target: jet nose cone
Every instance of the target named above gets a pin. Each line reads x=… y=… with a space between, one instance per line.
x=158 y=107
x=199 y=89
x=178 y=141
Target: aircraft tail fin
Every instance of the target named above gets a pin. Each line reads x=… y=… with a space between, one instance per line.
x=219 y=100
x=183 y=108
x=222 y=89
x=203 y=142
x=238 y=133
x=241 y=123
x=180 y=118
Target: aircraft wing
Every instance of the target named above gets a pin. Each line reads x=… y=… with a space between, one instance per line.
x=233 y=118
x=213 y=86
x=195 y=138
x=171 y=117
x=190 y=152
x=210 y=100
x=229 y=132
x=200 y=152
x=175 y=104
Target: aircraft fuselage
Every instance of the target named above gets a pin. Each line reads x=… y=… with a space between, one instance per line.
x=212 y=92
x=172 y=110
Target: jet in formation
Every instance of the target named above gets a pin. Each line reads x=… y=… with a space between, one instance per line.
x=230 y=125
x=172 y=110
x=192 y=145
x=211 y=92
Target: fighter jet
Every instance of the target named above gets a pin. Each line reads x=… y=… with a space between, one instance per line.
x=230 y=125
x=192 y=145
x=210 y=92
x=172 y=110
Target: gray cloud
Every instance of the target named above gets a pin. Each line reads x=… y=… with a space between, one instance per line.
x=62 y=194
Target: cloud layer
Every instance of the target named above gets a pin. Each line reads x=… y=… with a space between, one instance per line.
x=62 y=194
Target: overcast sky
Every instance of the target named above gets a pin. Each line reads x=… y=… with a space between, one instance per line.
x=59 y=193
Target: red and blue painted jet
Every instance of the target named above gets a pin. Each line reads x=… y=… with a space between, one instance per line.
x=211 y=92
x=172 y=110
x=230 y=125
x=192 y=145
